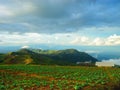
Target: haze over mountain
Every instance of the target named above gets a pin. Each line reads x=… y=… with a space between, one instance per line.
x=46 y=57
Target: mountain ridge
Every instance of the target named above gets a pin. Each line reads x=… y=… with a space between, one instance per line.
x=46 y=57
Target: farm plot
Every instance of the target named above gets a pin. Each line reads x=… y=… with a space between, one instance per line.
x=38 y=77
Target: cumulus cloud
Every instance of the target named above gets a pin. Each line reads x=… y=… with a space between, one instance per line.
x=112 y=40
x=58 y=39
x=33 y=38
x=115 y=61
x=80 y=40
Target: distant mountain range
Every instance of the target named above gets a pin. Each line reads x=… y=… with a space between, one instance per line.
x=101 y=53
x=46 y=57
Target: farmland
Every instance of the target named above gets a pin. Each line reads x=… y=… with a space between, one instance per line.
x=39 y=77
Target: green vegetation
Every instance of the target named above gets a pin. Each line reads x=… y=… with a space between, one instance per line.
x=46 y=57
x=2 y=57
x=37 y=77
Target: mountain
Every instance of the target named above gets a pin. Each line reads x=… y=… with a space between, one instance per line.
x=46 y=57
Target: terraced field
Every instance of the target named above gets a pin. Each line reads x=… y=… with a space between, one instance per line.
x=37 y=77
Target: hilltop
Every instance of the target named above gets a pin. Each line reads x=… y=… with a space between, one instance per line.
x=46 y=57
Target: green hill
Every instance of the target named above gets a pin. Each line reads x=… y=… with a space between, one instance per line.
x=46 y=57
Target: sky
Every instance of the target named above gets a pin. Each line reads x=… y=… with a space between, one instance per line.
x=94 y=23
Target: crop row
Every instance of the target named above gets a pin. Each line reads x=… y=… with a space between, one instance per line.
x=57 y=77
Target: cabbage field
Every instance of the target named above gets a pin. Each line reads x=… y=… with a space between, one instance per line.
x=40 y=77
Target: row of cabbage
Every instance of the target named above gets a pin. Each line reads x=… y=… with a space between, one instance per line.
x=57 y=77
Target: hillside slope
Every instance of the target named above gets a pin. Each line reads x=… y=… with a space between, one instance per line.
x=46 y=57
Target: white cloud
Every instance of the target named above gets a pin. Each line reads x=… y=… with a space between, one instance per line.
x=91 y=51
x=60 y=39
x=115 y=61
x=32 y=38
x=80 y=40
x=97 y=42
x=25 y=47
x=112 y=40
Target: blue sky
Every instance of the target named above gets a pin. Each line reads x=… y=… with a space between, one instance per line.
x=60 y=22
